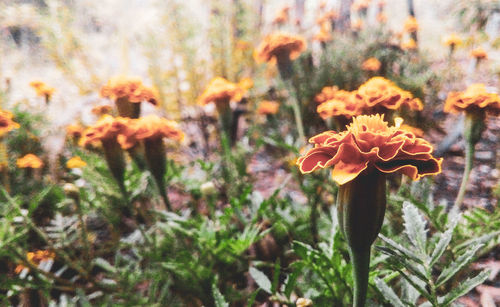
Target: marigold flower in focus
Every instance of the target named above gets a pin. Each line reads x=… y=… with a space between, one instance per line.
x=409 y=44
x=369 y=143
x=101 y=110
x=277 y=45
x=130 y=88
x=379 y=92
x=410 y=25
x=371 y=64
x=474 y=98
x=479 y=53
x=452 y=40
x=222 y=90
x=6 y=122
x=42 y=89
x=75 y=162
x=35 y=258
x=267 y=107
x=29 y=161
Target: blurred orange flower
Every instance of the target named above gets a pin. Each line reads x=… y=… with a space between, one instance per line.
x=475 y=97
x=130 y=88
x=479 y=53
x=369 y=143
x=371 y=64
x=267 y=107
x=360 y=5
x=74 y=131
x=329 y=16
x=106 y=128
x=282 y=16
x=29 y=161
x=381 y=17
x=452 y=40
x=331 y=92
x=410 y=25
x=279 y=45
x=75 y=162
x=42 y=89
x=148 y=127
x=380 y=92
x=221 y=90
x=324 y=33
x=399 y=123
x=348 y=107
x=409 y=44
x=357 y=25
x=35 y=258
x=101 y=110
x=6 y=122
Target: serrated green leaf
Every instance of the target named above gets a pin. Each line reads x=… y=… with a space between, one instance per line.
x=261 y=279
x=219 y=299
x=456 y=265
x=388 y=293
x=443 y=242
x=420 y=290
x=403 y=250
x=464 y=288
x=415 y=226
x=415 y=269
x=481 y=240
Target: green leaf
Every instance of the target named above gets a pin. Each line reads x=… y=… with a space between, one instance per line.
x=388 y=294
x=417 y=287
x=458 y=264
x=104 y=264
x=443 y=242
x=261 y=279
x=403 y=250
x=219 y=299
x=481 y=240
x=464 y=288
x=415 y=226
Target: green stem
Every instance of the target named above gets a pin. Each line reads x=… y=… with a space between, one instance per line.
x=360 y=260
x=469 y=158
x=296 y=111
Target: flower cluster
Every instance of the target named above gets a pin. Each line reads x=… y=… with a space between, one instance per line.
x=29 y=161
x=6 y=122
x=42 y=89
x=106 y=128
x=35 y=258
x=148 y=127
x=371 y=64
x=222 y=90
x=277 y=45
x=475 y=97
x=369 y=143
x=130 y=88
x=379 y=92
x=267 y=107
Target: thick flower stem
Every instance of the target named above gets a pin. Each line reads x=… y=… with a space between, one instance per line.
x=116 y=161
x=361 y=206
x=157 y=162
x=127 y=108
x=473 y=129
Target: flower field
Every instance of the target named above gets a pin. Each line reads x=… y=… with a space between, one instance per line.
x=249 y=153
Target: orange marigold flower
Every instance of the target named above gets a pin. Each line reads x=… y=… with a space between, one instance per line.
x=329 y=16
x=409 y=44
x=380 y=92
x=411 y=25
x=42 y=89
x=357 y=25
x=267 y=107
x=279 y=45
x=381 y=17
x=6 y=122
x=381 y=3
x=101 y=110
x=371 y=64
x=130 y=88
x=360 y=5
x=369 y=143
x=74 y=131
x=452 y=40
x=245 y=84
x=347 y=106
x=75 y=162
x=479 y=53
x=282 y=16
x=29 y=161
x=148 y=127
x=35 y=258
x=106 y=128
x=324 y=33
x=222 y=90
x=475 y=97
x=332 y=92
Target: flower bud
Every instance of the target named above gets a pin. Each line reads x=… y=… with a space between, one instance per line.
x=303 y=302
x=208 y=189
